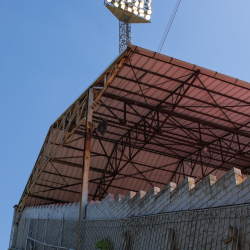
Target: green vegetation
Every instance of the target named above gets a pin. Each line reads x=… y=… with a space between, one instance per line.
x=104 y=244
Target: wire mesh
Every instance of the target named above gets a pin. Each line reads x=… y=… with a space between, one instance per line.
x=213 y=229
x=22 y=233
x=34 y=244
x=47 y=234
x=221 y=228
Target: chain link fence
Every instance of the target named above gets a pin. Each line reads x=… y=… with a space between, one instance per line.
x=218 y=228
x=221 y=228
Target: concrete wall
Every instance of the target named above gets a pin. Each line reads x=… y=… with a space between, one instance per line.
x=69 y=211
x=231 y=189
x=228 y=190
x=124 y=219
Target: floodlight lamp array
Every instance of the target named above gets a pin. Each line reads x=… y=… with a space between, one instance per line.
x=140 y=8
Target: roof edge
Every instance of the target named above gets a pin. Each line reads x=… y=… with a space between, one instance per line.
x=118 y=58
x=190 y=66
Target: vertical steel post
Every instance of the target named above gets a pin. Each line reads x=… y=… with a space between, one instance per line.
x=13 y=230
x=36 y=229
x=199 y=228
x=233 y=236
x=218 y=228
x=60 y=239
x=23 y=230
x=224 y=218
x=238 y=235
x=86 y=160
x=46 y=229
x=207 y=231
x=87 y=146
x=243 y=238
x=212 y=232
x=27 y=236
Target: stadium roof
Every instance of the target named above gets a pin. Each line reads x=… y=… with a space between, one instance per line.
x=167 y=120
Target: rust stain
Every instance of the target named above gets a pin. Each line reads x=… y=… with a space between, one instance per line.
x=123 y=60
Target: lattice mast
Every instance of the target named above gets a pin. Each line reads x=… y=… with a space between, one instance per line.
x=124 y=33
x=128 y=12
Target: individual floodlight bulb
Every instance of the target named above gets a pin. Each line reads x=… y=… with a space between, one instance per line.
x=141 y=5
x=129 y=9
x=134 y=8
x=141 y=15
x=123 y=7
x=116 y=4
x=141 y=11
x=109 y=1
x=149 y=11
x=135 y=12
x=148 y=17
x=136 y=3
x=129 y=1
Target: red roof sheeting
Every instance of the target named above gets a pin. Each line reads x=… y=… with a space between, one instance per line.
x=167 y=120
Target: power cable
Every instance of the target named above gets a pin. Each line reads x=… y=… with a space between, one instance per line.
x=164 y=37
x=170 y=22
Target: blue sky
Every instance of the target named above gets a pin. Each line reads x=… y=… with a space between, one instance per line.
x=50 y=51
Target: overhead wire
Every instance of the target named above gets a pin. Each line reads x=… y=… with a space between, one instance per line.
x=164 y=37
x=166 y=32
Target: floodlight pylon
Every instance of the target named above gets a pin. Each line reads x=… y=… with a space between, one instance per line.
x=124 y=33
x=128 y=12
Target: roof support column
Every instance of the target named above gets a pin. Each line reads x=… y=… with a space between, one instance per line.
x=86 y=161
x=86 y=153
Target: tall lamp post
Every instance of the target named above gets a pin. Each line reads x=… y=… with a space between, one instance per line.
x=127 y=12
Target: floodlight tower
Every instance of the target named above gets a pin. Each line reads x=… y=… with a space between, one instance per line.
x=127 y=12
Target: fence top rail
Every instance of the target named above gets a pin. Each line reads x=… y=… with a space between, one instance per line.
x=173 y=212
x=49 y=244
x=163 y=213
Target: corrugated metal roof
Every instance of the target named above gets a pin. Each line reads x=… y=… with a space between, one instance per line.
x=167 y=119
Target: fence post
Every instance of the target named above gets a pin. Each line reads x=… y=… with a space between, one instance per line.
x=13 y=230
x=244 y=233
x=23 y=231
x=46 y=231
x=36 y=228
x=27 y=236
x=60 y=239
